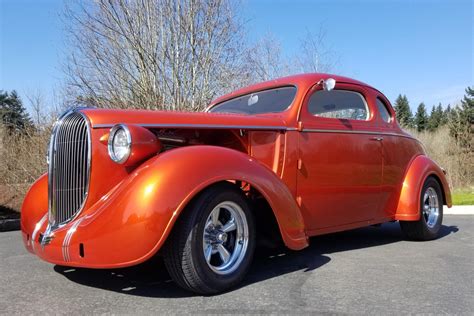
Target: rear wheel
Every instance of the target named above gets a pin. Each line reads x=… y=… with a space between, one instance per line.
x=431 y=213
x=212 y=244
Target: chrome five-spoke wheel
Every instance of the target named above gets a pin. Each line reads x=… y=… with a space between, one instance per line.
x=225 y=237
x=430 y=207
x=212 y=244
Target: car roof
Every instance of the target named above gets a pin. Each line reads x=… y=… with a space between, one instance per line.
x=300 y=80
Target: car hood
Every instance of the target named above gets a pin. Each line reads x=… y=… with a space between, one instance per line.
x=106 y=118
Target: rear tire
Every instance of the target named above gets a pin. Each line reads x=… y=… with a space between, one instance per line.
x=212 y=244
x=431 y=213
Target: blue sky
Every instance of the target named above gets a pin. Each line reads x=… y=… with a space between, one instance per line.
x=423 y=49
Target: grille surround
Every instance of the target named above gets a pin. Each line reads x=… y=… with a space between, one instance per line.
x=69 y=168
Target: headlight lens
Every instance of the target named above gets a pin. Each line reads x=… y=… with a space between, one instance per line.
x=120 y=142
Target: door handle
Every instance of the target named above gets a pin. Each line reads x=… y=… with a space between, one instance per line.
x=377 y=138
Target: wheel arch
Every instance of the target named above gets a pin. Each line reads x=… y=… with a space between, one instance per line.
x=268 y=228
x=418 y=171
x=262 y=184
x=443 y=193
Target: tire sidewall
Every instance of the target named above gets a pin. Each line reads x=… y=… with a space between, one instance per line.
x=204 y=207
x=432 y=232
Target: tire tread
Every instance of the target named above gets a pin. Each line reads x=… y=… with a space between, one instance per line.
x=418 y=230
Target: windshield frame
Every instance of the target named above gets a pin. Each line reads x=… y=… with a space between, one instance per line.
x=248 y=93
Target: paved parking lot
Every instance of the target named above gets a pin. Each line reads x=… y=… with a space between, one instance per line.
x=365 y=271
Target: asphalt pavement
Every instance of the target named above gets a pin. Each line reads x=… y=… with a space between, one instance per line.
x=365 y=271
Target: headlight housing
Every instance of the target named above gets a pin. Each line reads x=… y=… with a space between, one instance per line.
x=120 y=143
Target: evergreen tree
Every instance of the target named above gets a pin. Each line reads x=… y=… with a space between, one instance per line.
x=462 y=120
x=467 y=106
x=13 y=114
x=448 y=110
x=432 y=120
x=448 y=114
x=436 y=118
x=443 y=116
x=421 y=118
x=402 y=109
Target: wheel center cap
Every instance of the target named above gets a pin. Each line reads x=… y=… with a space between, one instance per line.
x=221 y=237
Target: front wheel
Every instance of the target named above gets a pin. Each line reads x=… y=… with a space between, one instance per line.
x=212 y=244
x=431 y=213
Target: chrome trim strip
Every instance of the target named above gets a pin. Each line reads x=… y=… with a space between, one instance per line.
x=311 y=130
x=256 y=127
x=35 y=231
x=68 y=238
x=209 y=126
x=172 y=139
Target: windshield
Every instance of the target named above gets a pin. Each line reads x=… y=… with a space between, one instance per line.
x=266 y=101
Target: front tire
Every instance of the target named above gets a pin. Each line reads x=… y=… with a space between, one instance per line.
x=212 y=244
x=431 y=213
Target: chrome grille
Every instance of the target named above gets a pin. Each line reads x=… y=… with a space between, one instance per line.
x=69 y=166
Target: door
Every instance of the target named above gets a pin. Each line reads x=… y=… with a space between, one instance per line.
x=397 y=152
x=340 y=152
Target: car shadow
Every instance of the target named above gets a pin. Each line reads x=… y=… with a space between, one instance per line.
x=151 y=279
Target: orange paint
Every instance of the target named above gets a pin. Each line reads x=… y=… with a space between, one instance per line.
x=319 y=175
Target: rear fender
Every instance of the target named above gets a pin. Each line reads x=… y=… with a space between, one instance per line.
x=419 y=170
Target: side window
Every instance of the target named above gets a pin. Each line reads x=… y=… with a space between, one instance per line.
x=384 y=113
x=339 y=104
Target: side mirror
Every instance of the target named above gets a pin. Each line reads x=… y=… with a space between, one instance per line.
x=328 y=84
x=252 y=100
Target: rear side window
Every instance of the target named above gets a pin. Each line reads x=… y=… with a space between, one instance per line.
x=339 y=104
x=266 y=101
x=384 y=113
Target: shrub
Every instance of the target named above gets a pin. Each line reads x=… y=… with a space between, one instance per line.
x=23 y=160
x=443 y=149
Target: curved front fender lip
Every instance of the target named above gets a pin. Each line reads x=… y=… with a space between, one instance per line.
x=70 y=246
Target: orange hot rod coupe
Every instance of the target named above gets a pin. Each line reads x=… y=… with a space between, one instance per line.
x=286 y=159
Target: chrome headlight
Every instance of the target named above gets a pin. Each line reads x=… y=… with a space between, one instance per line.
x=120 y=143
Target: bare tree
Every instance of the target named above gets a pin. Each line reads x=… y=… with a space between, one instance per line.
x=314 y=54
x=265 y=61
x=36 y=104
x=173 y=55
x=161 y=54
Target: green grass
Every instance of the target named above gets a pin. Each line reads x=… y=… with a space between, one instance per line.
x=463 y=197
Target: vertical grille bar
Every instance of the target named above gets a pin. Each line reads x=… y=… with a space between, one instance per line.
x=69 y=168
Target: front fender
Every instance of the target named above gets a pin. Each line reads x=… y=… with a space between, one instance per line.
x=409 y=203
x=34 y=210
x=130 y=223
